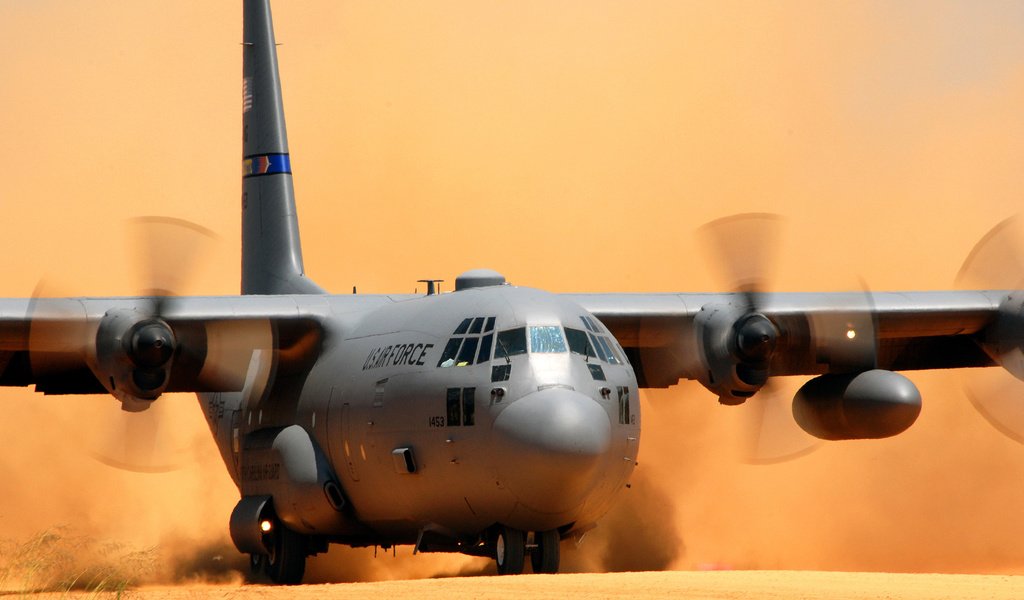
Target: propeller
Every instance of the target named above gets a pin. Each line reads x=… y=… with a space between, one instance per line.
x=143 y=436
x=167 y=253
x=842 y=334
x=769 y=433
x=996 y=263
x=744 y=248
x=737 y=340
x=54 y=350
x=156 y=440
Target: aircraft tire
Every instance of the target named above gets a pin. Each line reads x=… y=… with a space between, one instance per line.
x=545 y=556
x=510 y=550
x=287 y=564
x=257 y=568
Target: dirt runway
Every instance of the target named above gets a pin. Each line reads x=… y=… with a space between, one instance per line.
x=716 y=585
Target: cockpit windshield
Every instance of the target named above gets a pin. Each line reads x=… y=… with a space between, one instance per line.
x=547 y=339
x=510 y=343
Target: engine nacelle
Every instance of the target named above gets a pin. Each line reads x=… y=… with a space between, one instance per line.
x=736 y=346
x=870 y=405
x=132 y=357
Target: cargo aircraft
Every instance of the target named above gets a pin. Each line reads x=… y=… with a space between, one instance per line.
x=492 y=420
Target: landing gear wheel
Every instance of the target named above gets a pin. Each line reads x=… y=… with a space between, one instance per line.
x=509 y=550
x=257 y=566
x=544 y=557
x=287 y=561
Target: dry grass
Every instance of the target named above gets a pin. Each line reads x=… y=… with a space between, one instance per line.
x=58 y=560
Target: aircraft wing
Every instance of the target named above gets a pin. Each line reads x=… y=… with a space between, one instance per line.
x=122 y=345
x=669 y=337
x=82 y=345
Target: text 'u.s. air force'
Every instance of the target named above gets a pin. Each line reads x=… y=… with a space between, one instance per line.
x=397 y=354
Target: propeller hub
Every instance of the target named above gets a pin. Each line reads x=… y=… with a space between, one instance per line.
x=756 y=338
x=150 y=344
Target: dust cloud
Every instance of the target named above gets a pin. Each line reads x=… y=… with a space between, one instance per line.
x=61 y=500
x=889 y=135
x=935 y=499
x=637 y=534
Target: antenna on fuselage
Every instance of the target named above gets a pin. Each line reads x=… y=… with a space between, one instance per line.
x=433 y=286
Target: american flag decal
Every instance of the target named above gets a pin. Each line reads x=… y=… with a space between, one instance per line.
x=246 y=94
x=266 y=164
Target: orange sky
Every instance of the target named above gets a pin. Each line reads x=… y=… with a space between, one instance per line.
x=574 y=146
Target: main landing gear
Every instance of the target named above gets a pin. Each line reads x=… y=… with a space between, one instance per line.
x=512 y=545
x=286 y=561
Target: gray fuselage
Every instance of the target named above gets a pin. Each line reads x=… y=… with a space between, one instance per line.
x=448 y=412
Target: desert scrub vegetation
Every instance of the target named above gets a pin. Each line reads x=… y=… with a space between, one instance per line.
x=58 y=560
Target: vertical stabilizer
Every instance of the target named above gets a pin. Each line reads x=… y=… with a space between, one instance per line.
x=271 y=251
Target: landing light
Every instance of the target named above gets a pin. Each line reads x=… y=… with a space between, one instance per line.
x=265 y=526
x=851 y=333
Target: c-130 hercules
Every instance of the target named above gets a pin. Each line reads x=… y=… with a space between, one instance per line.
x=494 y=420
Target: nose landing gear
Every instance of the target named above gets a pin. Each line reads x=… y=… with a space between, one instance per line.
x=511 y=547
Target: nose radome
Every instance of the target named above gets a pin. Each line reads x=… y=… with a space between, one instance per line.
x=549 y=445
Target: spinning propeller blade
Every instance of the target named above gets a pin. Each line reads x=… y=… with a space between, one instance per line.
x=995 y=263
x=770 y=434
x=168 y=253
x=744 y=248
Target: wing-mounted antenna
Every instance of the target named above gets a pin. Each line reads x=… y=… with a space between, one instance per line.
x=271 y=250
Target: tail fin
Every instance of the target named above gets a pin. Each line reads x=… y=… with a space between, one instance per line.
x=271 y=250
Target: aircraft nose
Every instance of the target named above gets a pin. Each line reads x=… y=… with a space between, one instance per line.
x=552 y=443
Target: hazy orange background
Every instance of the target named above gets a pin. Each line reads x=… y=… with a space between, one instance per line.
x=573 y=146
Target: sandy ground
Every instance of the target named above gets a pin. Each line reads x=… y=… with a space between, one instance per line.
x=788 y=585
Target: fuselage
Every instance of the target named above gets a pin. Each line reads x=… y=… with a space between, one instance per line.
x=451 y=413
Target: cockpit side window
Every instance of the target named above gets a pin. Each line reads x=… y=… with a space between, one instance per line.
x=450 y=350
x=468 y=352
x=511 y=342
x=578 y=342
x=606 y=347
x=461 y=329
x=546 y=339
x=607 y=351
x=617 y=350
x=485 y=347
x=597 y=347
x=461 y=350
x=604 y=350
